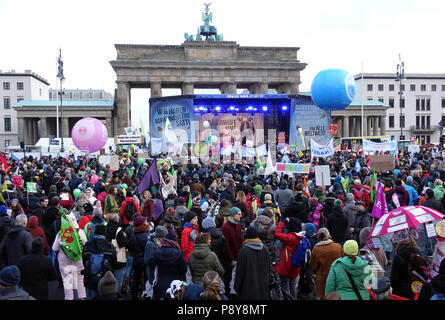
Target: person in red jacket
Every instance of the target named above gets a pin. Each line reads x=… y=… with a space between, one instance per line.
x=36 y=231
x=125 y=221
x=233 y=237
x=189 y=234
x=288 y=273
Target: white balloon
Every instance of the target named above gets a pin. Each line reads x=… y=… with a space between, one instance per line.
x=206 y=124
x=214 y=139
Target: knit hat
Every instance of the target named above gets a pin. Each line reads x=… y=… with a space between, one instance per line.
x=234 y=210
x=310 y=229
x=350 y=248
x=350 y=197
x=337 y=203
x=294 y=224
x=364 y=234
x=88 y=207
x=37 y=245
x=323 y=234
x=208 y=223
x=196 y=201
x=357 y=182
x=267 y=196
x=171 y=236
x=267 y=212
x=169 y=203
x=3 y=211
x=189 y=216
x=161 y=231
x=138 y=221
x=251 y=233
x=10 y=276
x=108 y=284
x=312 y=202
x=383 y=284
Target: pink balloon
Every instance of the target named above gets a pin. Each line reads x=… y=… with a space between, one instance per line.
x=89 y=134
x=94 y=179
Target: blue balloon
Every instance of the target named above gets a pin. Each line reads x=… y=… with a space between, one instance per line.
x=333 y=89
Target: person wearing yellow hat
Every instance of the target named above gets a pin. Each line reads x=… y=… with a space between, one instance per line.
x=349 y=276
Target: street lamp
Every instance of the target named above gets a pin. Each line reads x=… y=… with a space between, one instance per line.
x=400 y=76
x=61 y=78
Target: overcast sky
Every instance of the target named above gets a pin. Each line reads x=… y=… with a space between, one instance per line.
x=330 y=34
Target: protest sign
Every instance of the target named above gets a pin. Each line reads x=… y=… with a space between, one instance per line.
x=31 y=187
x=413 y=148
x=370 y=146
x=382 y=162
x=322 y=176
x=322 y=150
x=114 y=162
x=293 y=168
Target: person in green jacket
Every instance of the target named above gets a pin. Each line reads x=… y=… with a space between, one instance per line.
x=359 y=269
x=110 y=203
x=438 y=189
x=202 y=259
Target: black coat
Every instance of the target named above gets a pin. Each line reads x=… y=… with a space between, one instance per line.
x=337 y=224
x=361 y=221
x=16 y=244
x=252 y=272
x=36 y=271
x=121 y=238
x=400 y=277
x=39 y=212
x=435 y=204
x=138 y=240
x=6 y=223
x=171 y=266
x=51 y=214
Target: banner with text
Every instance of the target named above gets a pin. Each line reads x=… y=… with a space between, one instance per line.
x=293 y=168
x=369 y=145
x=322 y=150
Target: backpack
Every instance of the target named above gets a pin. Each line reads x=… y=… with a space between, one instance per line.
x=130 y=210
x=97 y=265
x=438 y=296
x=302 y=254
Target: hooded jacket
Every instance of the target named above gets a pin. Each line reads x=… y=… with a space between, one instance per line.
x=201 y=260
x=122 y=210
x=337 y=224
x=252 y=275
x=188 y=238
x=16 y=244
x=439 y=192
x=362 y=220
x=400 y=277
x=290 y=242
x=171 y=266
x=338 y=280
x=266 y=229
x=36 y=231
x=14 y=293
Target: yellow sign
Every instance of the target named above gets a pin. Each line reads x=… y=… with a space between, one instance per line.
x=416 y=286
x=440 y=229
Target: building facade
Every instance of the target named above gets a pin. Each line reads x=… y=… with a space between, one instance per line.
x=422 y=105
x=80 y=94
x=15 y=87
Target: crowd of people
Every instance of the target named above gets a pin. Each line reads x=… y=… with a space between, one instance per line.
x=213 y=231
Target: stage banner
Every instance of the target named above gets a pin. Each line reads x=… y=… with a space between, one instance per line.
x=313 y=121
x=179 y=111
x=368 y=145
x=293 y=168
x=322 y=150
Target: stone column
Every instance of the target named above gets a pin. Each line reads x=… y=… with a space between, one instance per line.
x=375 y=125
x=345 y=131
x=294 y=88
x=156 y=89
x=357 y=126
x=231 y=88
x=187 y=88
x=35 y=131
x=21 y=129
x=383 y=125
x=284 y=88
x=254 y=88
x=28 y=136
x=368 y=125
x=43 y=128
x=66 y=129
x=340 y=121
x=264 y=88
x=123 y=105
x=109 y=127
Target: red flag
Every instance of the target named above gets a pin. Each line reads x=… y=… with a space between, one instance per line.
x=306 y=188
x=3 y=163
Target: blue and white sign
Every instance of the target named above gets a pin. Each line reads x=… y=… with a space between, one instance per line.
x=369 y=146
x=322 y=151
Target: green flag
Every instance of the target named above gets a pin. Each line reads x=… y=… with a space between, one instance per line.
x=189 y=204
x=70 y=241
x=345 y=184
x=373 y=188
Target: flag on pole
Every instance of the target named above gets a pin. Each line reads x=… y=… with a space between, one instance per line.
x=345 y=184
x=150 y=178
x=300 y=130
x=3 y=163
x=373 y=186
x=5 y=186
x=189 y=203
x=68 y=236
x=269 y=166
x=357 y=166
x=306 y=188
x=380 y=207
x=170 y=136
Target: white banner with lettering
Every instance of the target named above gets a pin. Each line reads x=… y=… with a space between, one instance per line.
x=368 y=145
x=322 y=150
